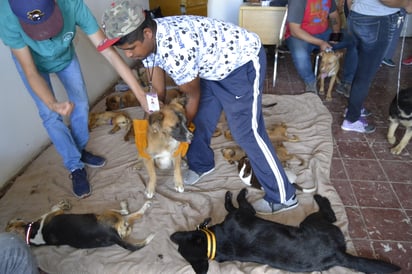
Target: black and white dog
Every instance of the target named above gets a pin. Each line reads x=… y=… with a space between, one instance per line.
x=400 y=113
x=315 y=245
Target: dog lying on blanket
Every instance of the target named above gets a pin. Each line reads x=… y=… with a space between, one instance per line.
x=81 y=230
x=329 y=67
x=162 y=141
x=315 y=245
x=400 y=113
x=117 y=119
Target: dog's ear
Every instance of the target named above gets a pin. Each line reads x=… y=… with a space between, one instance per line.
x=339 y=54
x=192 y=246
x=155 y=120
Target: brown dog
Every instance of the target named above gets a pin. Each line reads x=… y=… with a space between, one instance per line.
x=119 y=120
x=329 y=67
x=81 y=230
x=166 y=136
x=121 y=100
x=278 y=133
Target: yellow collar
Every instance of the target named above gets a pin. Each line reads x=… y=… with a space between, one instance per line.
x=211 y=243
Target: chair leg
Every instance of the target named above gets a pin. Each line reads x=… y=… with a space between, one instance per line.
x=275 y=67
x=316 y=65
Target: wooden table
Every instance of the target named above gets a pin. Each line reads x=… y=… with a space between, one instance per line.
x=264 y=20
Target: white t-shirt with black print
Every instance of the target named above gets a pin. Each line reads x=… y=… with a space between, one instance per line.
x=190 y=46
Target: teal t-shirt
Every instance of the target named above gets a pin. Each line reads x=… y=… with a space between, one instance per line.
x=53 y=54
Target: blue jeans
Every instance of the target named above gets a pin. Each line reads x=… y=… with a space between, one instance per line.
x=372 y=35
x=69 y=142
x=240 y=97
x=16 y=256
x=301 y=52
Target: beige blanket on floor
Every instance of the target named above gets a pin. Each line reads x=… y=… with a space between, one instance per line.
x=45 y=182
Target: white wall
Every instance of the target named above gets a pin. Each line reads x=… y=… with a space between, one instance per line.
x=22 y=136
x=227 y=10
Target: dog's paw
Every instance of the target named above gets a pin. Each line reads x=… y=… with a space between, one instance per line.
x=124 y=208
x=146 y=205
x=328 y=98
x=63 y=205
x=392 y=140
x=397 y=150
x=179 y=189
x=149 y=194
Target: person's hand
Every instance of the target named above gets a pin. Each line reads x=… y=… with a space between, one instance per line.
x=63 y=108
x=324 y=46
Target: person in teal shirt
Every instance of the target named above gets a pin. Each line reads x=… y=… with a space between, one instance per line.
x=40 y=36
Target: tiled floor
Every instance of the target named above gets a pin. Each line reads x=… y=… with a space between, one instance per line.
x=374 y=185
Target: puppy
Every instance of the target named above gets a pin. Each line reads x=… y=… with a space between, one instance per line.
x=81 y=230
x=166 y=134
x=329 y=67
x=278 y=133
x=315 y=245
x=121 y=100
x=117 y=119
x=233 y=154
x=248 y=177
x=400 y=113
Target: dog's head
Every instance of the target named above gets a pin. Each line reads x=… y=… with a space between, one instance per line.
x=123 y=121
x=171 y=121
x=192 y=245
x=329 y=64
x=17 y=226
x=113 y=102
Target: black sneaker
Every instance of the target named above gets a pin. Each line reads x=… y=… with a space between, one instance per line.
x=92 y=160
x=81 y=186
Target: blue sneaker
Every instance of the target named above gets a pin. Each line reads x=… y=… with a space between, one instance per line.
x=264 y=207
x=81 y=186
x=191 y=177
x=92 y=160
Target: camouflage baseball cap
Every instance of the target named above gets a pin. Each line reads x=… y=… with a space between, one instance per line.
x=120 y=19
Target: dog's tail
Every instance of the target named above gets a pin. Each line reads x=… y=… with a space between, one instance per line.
x=137 y=245
x=369 y=265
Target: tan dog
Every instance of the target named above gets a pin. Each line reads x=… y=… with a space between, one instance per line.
x=119 y=120
x=233 y=154
x=166 y=137
x=81 y=230
x=278 y=133
x=329 y=67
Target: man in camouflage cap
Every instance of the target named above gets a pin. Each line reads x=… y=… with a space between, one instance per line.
x=220 y=67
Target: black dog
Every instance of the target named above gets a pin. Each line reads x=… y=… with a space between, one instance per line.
x=315 y=245
x=81 y=230
x=400 y=112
